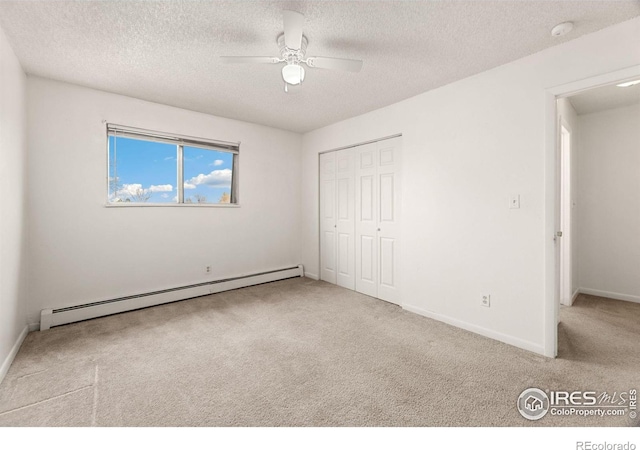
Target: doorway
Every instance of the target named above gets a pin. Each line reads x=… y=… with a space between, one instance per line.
x=572 y=246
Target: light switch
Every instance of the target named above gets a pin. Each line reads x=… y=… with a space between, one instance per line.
x=514 y=202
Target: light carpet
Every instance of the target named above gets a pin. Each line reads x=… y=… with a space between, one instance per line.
x=300 y=352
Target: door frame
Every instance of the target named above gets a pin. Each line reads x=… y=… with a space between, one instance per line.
x=565 y=175
x=551 y=208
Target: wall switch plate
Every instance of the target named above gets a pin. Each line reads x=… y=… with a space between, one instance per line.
x=486 y=300
x=514 y=202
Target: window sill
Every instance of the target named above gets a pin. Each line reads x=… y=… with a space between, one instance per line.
x=171 y=205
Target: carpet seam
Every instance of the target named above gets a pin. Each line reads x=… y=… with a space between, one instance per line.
x=45 y=400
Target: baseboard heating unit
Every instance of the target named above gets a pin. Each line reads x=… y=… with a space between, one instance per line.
x=60 y=316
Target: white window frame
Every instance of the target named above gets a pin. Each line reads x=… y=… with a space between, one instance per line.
x=180 y=141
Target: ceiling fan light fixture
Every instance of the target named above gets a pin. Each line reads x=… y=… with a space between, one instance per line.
x=293 y=73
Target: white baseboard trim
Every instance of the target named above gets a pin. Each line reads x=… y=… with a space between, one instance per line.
x=12 y=354
x=313 y=276
x=64 y=315
x=570 y=301
x=507 y=339
x=574 y=296
x=613 y=295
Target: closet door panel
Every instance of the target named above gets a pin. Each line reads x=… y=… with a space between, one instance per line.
x=366 y=220
x=345 y=220
x=328 y=217
x=388 y=207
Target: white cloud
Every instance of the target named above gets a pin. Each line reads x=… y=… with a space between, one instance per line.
x=165 y=196
x=130 y=189
x=216 y=178
x=161 y=188
x=189 y=185
x=136 y=189
x=127 y=191
x=218 y=162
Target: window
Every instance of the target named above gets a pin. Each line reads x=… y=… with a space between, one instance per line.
x=147 y=167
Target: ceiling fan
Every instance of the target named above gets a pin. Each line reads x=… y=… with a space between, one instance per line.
x=293 y=48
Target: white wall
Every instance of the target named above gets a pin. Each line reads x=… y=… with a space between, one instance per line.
x=569 y=115
x=82 y=251
x=609 y=215
x=468 y=146
x=13 y=153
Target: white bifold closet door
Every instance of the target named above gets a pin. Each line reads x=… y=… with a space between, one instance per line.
x=328 y=217
x=359 y=229
x=377 y=219
x=345 y=219
x=337 y=221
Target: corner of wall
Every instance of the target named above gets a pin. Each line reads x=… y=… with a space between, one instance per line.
x=13 y=205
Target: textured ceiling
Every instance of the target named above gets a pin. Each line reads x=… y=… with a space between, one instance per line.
x=606 y=97
x=167 y=51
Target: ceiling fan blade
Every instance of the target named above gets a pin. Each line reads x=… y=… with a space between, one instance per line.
x=293 y=22
x=349 y=65
x=250 y=59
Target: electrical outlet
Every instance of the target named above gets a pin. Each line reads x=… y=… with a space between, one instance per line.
x=514 y=202
x=486 y=300
x=207 y=269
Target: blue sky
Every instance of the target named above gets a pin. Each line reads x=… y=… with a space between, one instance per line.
x=151 y=168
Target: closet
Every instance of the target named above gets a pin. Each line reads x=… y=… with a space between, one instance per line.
x=360 y=218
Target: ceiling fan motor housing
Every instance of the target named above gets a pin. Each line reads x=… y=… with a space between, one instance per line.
x=292 y=56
